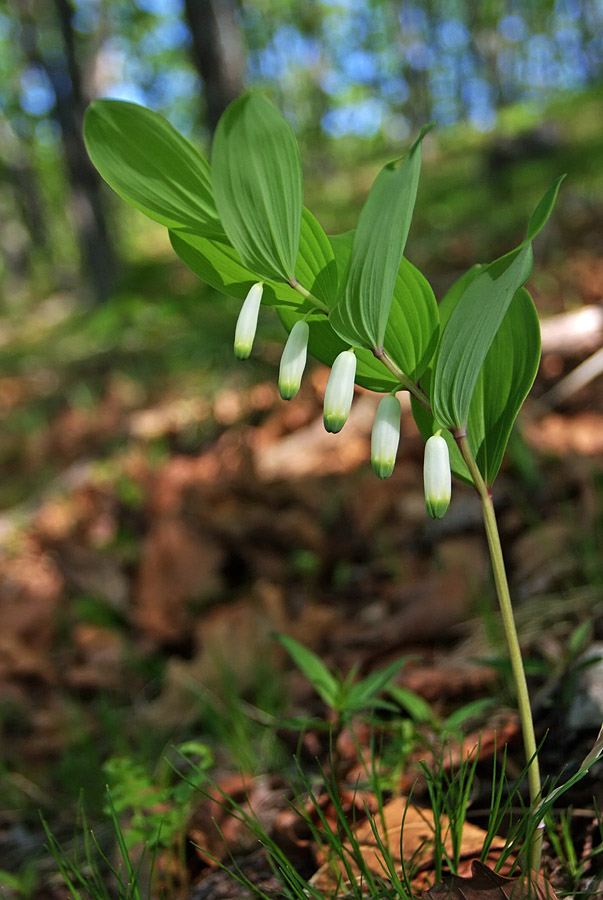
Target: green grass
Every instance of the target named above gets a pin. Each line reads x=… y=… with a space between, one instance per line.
x=89 y=869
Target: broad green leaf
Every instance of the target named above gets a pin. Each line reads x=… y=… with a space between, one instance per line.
x=413 y=327
x=214 y=259
x=475 y=320
x=504 y=382
x=257 y=179
x=313 y=668
x=469 y=333
x=412 y=330
x=150 y=165
x=361 y=315
x=501 y=388
x=316 y=268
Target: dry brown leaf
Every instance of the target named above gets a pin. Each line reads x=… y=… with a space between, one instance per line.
x=415 y=843
x=310 y=449
x=176 y=566
x=581 y=433
x=217 y=832
x=485 y=884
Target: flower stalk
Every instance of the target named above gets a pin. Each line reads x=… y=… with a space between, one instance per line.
x=534 y=852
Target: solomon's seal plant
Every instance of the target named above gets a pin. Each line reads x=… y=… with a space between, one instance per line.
x=353 y=300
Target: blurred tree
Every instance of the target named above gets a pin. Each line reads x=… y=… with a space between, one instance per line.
x=18 y=171
x=217 y=52
x=48 y=42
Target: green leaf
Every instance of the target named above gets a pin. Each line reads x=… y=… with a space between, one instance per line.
x=257 y=183
x=361 y=315
x=471 y=710
x=410 y=338
x=413 y=327
x=475 y=320
x=150 y=165
x=313 y=668
x=470 y=332
x=214 y=259
x=362 y=693
x=412 y=330
x=316 y=268
x=418 y=709
x=503 y=383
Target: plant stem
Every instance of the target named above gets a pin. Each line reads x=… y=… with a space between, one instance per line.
x=306 y=293
x=404 y=380
x=519 y=676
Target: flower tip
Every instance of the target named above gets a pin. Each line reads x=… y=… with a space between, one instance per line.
x=287 y=391
x=437 y=510
x=333 y=422
x=242 y=351
x=382 y=468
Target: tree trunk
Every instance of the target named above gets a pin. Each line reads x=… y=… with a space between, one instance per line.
x=86 y=202
x=217 y=52
x=19 y=172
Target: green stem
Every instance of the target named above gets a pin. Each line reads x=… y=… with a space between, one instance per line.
x=404 y=380
x=306 y=293
x=506 y=609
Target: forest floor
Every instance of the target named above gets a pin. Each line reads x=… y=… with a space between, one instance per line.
x=166 y=515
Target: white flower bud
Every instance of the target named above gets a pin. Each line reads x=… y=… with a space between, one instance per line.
x=293 y=360
x=339 y=391
x=385 y=436
x=436 y=476
x=248 y=321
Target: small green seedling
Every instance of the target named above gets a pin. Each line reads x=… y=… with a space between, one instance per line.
x=353 y=301
x=345 y=696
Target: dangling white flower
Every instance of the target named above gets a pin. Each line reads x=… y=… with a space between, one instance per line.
x=248 y=321
x=293 y=360
x=436 y=476
x=339 y=391
x=385 y=436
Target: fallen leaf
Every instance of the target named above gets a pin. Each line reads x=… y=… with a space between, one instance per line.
x=408 y=832
x=581 y=433
x=218 y=829
x=311 y=449
x=485 y=884
x=177 y=566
